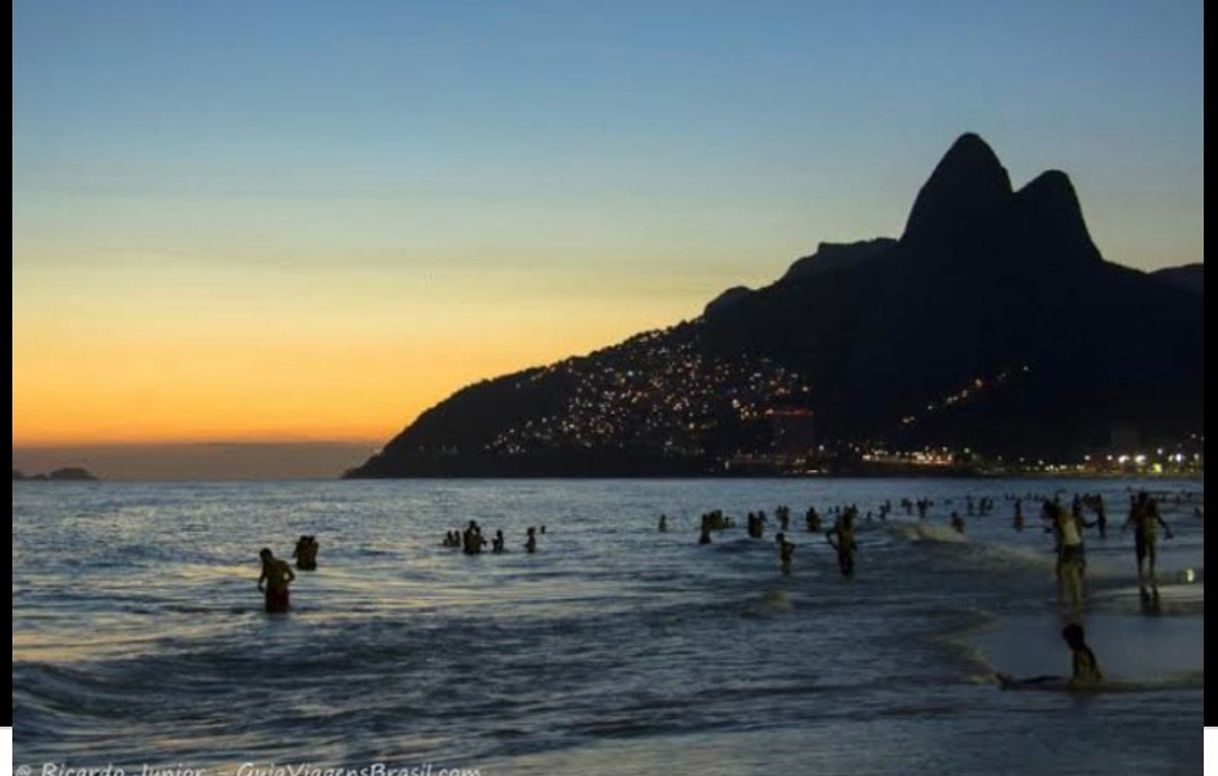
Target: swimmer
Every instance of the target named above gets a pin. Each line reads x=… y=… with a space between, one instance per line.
x=1085 y=671
x=785 y=551
x=813 y=520
x=755 y=527
x=957 y=522
x=845 y=546
x=305 y=553
x=1017 y=522
x=497 y=544
x=1144 y=516
x=705 y=536
x=472 y=541
x=663 y=523
x=1101 y=515
x=276 y=574
x=531 y=544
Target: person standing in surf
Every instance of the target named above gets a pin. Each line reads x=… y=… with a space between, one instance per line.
x=1101 y=515
x=785 y=551
x=276 y=574
x=845 y=546
x=957 y=522
x=306 y=553
x=1070 y=559
x=1144 y=515
x=813 y=520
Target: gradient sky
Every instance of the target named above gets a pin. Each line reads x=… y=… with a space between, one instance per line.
x=311 y=221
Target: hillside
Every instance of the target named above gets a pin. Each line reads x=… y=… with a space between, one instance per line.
x=992 y=323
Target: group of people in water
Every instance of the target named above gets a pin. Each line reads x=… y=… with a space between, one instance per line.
x=840 y=536
x=1066 y=524
x=277 y=574
x=471 y=540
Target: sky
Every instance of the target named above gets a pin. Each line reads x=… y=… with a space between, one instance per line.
x=310 y=221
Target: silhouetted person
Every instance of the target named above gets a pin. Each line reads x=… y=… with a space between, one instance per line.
x=276 y=574
x=497 y=544
x=305 y=553
x=531 y=544
x=756 y=528
x=663 y=523
x=1085 y=670
x=1070 y=559
x=845 y=546
x=1146 y=520
x=957 y=522
x=785 y=551
x=813 y=519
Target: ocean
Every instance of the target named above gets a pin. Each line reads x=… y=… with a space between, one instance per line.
x=139 y=638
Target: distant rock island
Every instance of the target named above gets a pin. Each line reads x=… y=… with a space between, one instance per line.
x=71 y=473
x=992 y=326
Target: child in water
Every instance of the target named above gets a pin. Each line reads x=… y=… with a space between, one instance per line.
x=785 y=551
x=531 y=544
x=1085 y=671
x=663 y=523
x=276 y=574
x=497 y=544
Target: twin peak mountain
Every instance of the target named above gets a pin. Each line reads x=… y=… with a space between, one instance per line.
x=992 y=324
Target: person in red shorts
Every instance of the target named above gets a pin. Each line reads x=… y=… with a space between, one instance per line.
x=276 y=574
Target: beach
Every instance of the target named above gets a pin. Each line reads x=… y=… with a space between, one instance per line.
x=139 y=636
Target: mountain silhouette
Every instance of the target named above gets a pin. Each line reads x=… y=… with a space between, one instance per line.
x=1187 y=276
x=992 y=323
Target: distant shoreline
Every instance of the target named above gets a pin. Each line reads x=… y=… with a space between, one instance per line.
x=960 y=475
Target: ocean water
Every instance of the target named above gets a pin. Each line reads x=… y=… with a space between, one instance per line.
x=139 y=636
